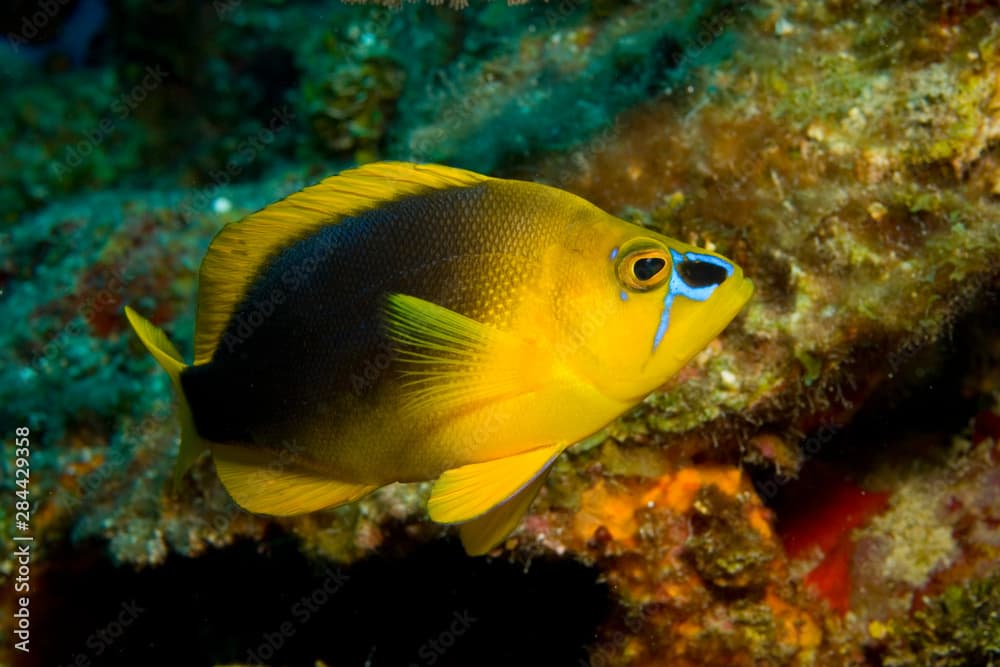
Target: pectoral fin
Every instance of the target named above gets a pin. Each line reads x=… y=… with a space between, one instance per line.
x=264 y=482
x=452 y=362
x=469 y=492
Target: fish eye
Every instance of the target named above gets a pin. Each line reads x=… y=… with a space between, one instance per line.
x=644 y=268
x=647 y=267
x=701 y=274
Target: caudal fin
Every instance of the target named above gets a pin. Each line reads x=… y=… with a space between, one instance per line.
x=170 y=359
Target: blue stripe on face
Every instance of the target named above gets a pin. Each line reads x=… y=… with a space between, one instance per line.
x=677 y=287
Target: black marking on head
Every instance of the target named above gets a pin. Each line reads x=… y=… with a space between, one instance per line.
x=701 y=274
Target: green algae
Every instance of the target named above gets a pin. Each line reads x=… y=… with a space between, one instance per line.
x=564 y=81
x=64 y=135
x=812 y=364
x=958 y=628
x=723 y=547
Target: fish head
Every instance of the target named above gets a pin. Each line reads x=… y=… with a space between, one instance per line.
x=652 y=304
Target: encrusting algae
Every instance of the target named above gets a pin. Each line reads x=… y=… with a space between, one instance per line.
x=515 y=319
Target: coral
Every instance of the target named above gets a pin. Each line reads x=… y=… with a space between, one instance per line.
x=722 y=549
x=350 y=87
x=939 y=529
x=64 y=135
x=921 y=543
x=693 y=557
x=564 y=80
x=957 y=628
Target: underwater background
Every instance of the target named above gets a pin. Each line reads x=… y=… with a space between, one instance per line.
x=818 y=487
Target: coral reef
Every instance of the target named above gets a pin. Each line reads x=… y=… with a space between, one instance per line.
x=569 y=71
x=959 y=627
x=817 y=487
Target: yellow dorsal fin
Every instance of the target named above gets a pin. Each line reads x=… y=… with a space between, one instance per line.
x=450 y=361
x=469 y=492
x=264 y=482
x=485 y=532
x=240 y=249
x=170 y=359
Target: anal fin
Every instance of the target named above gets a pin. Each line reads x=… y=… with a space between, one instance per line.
x=469 y=492
x=260 y=481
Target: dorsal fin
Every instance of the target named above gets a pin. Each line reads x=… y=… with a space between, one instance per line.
x=240 y=248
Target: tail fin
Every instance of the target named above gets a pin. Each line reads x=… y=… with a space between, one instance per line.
x=170 y=359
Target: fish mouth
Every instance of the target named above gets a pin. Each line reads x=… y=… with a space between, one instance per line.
x=743 y=293
x=719 y=311
x=737 y=298
x=738 y=291
x=722 y=308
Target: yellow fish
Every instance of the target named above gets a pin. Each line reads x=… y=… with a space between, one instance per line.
x=403 y=322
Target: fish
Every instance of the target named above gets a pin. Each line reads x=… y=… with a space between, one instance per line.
x=404 y=322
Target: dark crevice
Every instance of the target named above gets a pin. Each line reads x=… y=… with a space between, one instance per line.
x=265 y=603
x=923 y=402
